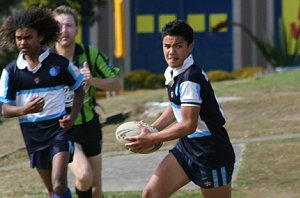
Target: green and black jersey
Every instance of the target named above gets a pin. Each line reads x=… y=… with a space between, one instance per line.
x=100 y=67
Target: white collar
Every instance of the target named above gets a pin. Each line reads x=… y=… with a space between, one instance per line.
x=22 y=63
x=176 y=71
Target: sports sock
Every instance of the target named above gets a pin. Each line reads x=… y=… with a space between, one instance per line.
x=66 y=195
x=84 y=194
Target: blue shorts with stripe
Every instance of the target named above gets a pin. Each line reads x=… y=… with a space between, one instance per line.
x=203 y=177
x=43 y=159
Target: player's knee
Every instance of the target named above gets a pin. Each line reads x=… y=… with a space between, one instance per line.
x=147 y=192
x=84 y=181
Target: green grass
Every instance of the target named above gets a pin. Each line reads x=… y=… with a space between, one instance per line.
x=270 y=169
x=270 y=105
x=287 y=81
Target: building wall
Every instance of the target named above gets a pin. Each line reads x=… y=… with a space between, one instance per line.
x=219 y=51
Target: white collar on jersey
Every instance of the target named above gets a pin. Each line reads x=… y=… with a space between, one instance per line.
x=176 y=71
x=22 y=63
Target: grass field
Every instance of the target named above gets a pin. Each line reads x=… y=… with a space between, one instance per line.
x=269 y=105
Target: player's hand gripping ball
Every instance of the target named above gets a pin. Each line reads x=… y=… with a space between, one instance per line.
x=132 y=128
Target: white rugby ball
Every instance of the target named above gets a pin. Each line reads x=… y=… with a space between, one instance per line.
x=132 y=128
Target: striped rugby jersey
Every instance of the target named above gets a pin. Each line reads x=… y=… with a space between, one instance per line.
x=188 y=85
x=19 y=84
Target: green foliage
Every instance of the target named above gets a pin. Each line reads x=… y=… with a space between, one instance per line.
x=143 y=79
x=6 y=56
x=155 y=81
x=247 y=72
x=6 y=6
x=83 y=7
x=219 y=75
x=88 y=15
x=136 y=79
x=241 y=73
x=285 y=52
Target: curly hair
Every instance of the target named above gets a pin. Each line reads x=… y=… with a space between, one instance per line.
x=37 y=18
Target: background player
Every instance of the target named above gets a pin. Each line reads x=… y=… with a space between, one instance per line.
x=32 y=88
x=98 y=73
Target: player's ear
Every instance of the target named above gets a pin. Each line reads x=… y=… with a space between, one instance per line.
x=77 y=29
x=191 y=47
x=41 y=38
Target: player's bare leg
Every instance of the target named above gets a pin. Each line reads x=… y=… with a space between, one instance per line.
x=220 y=192
x=96 y=164
x=45 y=174
x=81 y=169
x=59 y=173
x=168 y=178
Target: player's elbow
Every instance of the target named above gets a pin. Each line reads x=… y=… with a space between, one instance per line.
x=117 y=84
x=190 y=128
x=5 y=111
x=79 y=91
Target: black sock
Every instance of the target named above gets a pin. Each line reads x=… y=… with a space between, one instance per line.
x=84 y=194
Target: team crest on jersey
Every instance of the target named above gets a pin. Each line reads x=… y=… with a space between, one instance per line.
x=54 y=70
x=207 y=183
x=37 y=80
x=172 y=94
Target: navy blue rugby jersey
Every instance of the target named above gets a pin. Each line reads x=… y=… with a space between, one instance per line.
x=19 y=83
x=209 y=146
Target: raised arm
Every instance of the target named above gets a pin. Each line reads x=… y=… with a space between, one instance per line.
x=109 y=84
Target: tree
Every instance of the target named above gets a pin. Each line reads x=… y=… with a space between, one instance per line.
x=278 y=52
x=83 y=7
x=6 y=7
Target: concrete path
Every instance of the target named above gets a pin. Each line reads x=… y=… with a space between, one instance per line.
x=130 y=172
x=126 y=171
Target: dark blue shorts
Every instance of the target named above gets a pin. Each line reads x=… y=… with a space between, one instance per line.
x=43 y=159
x=203 y=177
x=89 y=136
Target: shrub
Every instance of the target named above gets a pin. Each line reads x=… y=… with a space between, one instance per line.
x=247 y=72
x=155 y=81
x=6 y=56
x=136 y=79
x=219 y=75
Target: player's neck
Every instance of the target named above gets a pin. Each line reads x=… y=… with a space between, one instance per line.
x=66 y=51
x=33 y=59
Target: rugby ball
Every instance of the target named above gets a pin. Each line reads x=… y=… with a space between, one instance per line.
x=132 y=128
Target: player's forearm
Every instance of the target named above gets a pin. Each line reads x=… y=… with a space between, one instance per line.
x=108 y=84
x=178 y=130
x=77 y=102
x=166 y=118
x=12 y=110
x=186 y=126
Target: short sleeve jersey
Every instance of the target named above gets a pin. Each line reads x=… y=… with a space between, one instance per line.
x=209 y=146
x=19 y=84
x=100 y=67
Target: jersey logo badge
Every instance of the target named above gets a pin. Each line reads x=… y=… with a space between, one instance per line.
x=54 y=70
x=37 y=80
x=207 y=183
x=172 y=94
